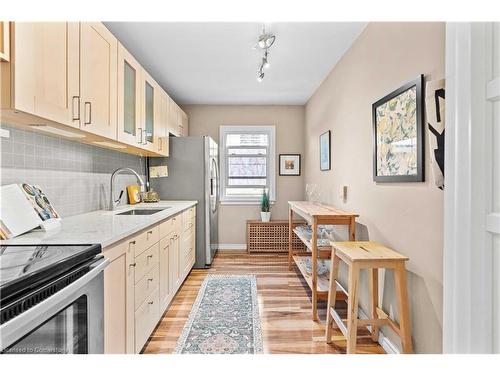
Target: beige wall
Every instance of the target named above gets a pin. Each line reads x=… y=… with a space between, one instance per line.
x=289 y=122
x=405 y=216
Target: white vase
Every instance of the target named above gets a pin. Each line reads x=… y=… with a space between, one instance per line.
x=265 y=216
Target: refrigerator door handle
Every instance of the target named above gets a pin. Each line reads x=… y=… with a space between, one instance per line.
x=216 y=168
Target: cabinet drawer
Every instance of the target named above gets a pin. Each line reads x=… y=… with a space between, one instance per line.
x=170 y=225
x=146 y=318
x=146 y=261
x=146 y=286
x=146 y=239
x=187 y=261
x=188 y=220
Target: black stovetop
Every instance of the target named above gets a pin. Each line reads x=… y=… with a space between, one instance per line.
x=25 y=267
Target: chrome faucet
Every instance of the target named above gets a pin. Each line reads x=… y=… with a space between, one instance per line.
x=114 y=202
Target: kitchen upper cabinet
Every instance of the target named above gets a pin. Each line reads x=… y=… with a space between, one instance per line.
x=129 y=97
x=161 y=130
x=45 y=81
x=184 y=123
x=178 y=120
x=119 y=299
x=98 y=79
x=4 y=41
x=173 y=119
x=57 y=75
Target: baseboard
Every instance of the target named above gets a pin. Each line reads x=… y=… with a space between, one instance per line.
x=384 y=341
x=232 y=246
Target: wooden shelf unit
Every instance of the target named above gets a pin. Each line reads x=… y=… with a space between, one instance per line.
x=315 y=214
x=271 y=237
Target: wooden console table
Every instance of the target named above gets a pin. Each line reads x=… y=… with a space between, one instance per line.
x=315 y=214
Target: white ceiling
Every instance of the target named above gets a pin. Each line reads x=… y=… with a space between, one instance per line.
x=215 y=63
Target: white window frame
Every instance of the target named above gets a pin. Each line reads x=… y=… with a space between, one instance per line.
x=271 y=161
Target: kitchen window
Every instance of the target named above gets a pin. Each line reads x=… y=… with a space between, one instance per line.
x=247 y=163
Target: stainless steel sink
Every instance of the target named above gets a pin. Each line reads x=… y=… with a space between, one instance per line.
x=143 y=211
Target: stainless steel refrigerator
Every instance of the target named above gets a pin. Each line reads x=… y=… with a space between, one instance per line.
x=193 y=174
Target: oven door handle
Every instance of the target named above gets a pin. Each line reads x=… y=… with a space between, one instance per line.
x=21 y=325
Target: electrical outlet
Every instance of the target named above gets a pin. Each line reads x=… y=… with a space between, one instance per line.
x=159 y=171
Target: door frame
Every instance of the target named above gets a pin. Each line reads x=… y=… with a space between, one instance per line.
x=467 y=256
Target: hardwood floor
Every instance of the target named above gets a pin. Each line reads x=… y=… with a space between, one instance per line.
x=284 y=303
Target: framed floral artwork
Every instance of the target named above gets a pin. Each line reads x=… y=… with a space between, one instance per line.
x=398 y=132
x=289 y=164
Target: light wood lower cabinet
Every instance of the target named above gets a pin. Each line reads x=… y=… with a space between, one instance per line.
x=119 y=293
x=145 y=273
x=146 y=318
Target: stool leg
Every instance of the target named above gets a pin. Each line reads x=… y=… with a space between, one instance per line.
x=352 y=312
x=332 y=295
x=403 y=309
x=290 y=238
x=374 y=297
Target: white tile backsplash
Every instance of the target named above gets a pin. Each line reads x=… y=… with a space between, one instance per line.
x=75 y=176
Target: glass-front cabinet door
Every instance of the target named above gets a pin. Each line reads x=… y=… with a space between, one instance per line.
x=151 y=117
x=129 y=98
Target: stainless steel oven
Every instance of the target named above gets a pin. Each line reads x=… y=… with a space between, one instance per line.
x=64 y=313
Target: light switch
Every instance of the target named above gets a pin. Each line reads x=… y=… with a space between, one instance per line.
x=343 y=194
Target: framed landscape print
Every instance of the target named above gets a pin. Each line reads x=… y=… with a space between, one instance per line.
x=398 y=148
x=325 y=151
x=289 y=164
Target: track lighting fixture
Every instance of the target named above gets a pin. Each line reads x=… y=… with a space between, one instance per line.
x=265 y=41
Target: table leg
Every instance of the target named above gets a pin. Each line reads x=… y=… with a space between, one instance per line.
x=352 y=229
x=314 y=269
x=332 y=295
x=352 y=312
x=290 y=234
x=403 y=309
x=374 y=298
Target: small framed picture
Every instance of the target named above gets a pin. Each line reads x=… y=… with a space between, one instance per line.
x=325 y=151
x=289 y=164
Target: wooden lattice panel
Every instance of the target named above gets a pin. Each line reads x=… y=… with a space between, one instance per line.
x=271 y=237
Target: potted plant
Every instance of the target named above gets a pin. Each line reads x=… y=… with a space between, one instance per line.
x=265 y=207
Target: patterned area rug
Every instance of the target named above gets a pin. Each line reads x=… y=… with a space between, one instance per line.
x=224 y=319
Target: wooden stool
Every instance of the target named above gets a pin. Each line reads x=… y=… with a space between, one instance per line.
x=372 y=256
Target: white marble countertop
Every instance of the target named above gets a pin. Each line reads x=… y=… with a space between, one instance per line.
x=101 y=227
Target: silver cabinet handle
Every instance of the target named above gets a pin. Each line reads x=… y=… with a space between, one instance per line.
x=150 y=232
x=90 y=113
x=141 y=133
x=77 y=117
x=150 y=279
x=159 y=144
x=132 y=264
x=150 y=257
x=144 y=137
x=131 y=243
x=150 y=302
